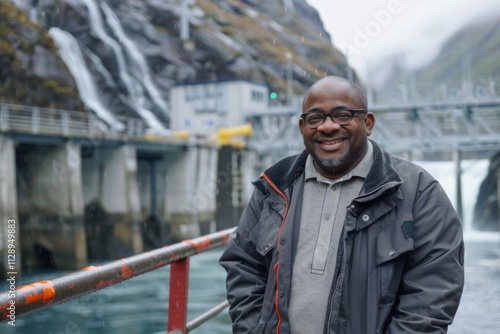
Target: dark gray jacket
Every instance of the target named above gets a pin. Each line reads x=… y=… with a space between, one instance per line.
x=400 y=265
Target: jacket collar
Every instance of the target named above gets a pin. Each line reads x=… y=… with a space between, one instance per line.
x=381 y=176
x=286 y=171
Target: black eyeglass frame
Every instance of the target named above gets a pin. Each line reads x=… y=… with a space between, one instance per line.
x=352 y=111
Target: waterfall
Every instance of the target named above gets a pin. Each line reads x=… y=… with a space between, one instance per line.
x=71 y=54
x=133 y=85
x=99 y=66
x=289 y=5
x=138 y=60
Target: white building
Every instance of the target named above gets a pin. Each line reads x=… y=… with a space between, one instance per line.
x=203 y=107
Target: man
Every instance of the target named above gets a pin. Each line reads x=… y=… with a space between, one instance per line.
x=344 y=237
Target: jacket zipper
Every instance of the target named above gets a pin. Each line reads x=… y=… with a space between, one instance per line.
x=335 y=290
x=276 y=266
x=331 y=301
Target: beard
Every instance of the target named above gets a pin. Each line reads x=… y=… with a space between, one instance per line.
x=331 y=164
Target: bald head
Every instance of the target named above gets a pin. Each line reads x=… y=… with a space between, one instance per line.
x=335 y=144
x=357 y=92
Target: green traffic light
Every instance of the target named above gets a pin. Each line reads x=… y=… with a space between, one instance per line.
x=273 y=95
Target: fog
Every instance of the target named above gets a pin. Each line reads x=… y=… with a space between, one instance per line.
x=372 y=32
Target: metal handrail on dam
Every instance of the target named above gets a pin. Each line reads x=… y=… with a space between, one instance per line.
x=70 y=123
x=42 y=294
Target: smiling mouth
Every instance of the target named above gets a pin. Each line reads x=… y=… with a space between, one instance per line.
x=332 y=142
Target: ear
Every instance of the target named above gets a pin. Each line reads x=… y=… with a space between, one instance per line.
x=301 y=125
x=369 y=122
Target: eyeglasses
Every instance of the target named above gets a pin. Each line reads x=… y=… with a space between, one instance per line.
x=342 y=117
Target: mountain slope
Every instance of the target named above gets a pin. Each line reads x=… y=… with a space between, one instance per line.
x=133 y=51
x=468 y=63
x=474 y=49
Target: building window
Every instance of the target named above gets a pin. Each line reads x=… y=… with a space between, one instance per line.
x=257 y=96
x=202 y=92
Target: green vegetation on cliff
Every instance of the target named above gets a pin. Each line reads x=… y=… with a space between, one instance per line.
x=26 y=50
x=474 y=49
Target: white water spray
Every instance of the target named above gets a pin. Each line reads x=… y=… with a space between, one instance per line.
x=133 y=85
x=71 y=54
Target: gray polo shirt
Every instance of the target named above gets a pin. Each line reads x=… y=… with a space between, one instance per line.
x=324 y=208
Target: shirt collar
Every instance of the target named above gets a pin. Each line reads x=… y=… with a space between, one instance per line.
x=361 y=170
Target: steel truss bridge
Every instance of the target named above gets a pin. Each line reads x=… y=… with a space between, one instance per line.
x=422 y=130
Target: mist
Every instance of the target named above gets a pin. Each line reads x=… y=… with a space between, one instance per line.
x=374 y=34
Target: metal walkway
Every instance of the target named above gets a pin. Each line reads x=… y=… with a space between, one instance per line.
x=467 y=126
x=439 y=127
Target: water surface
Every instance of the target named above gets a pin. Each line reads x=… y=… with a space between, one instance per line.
x=140 y=304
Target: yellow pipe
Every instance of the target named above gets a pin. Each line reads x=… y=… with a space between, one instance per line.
x=225 y=134
x=182 y=134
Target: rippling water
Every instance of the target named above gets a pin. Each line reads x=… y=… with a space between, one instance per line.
x=140 y=305
x=479 y=311
x=135 y=306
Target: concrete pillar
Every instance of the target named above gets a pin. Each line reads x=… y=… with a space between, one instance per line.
x=190 y=191
x=250 y=170
x=112 y=205
x=50 y=205
x=8 y=210
x=152 y=177
x=232 y=193
x=225 y=215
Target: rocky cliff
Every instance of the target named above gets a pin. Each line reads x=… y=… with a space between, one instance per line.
x=31 y=71
x=486 y=210
x=133 y=52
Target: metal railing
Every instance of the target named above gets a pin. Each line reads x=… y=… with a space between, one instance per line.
x=49 y=121
x=427 y=127
x=69 y=123
x=42 y=294
x=477 y=88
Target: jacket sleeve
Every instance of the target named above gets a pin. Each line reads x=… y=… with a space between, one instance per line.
x=246 y=270
x=433 y=277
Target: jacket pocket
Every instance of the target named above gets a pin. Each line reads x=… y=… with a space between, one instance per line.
x=392 y=243
x=267 y=236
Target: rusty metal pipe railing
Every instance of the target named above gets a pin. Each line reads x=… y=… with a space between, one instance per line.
x=202 y=318
x=39 y=295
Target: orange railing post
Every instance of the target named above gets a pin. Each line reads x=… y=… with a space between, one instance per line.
x=177 y=302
